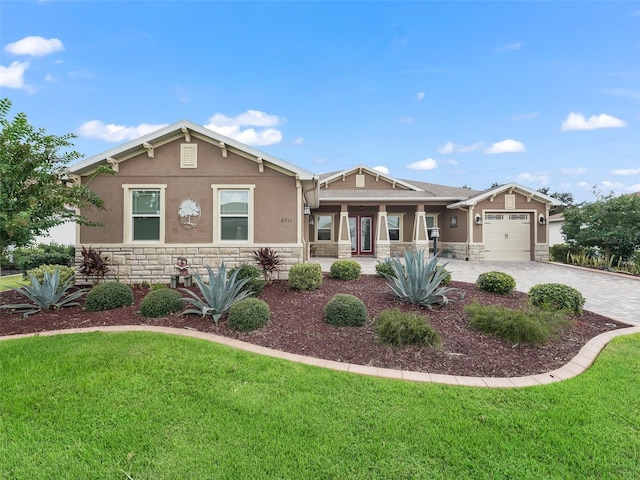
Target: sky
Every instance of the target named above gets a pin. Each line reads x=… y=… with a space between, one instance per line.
x=543 y=94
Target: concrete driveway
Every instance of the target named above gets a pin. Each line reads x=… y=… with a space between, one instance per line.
x=612 y=295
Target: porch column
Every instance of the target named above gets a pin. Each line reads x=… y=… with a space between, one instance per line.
x=344 y=236
x=420 y=232
x=383 y=244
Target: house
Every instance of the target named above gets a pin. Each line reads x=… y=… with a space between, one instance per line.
x=556 y=223
x=185 y=190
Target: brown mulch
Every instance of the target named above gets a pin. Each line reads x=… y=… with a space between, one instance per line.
x=297 y=326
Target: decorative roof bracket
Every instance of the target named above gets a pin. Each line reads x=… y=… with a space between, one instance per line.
x=260 y=165
x=187 y=135
x=114 y=164
x=224 y=150
x=149 y=148
x=529 y=197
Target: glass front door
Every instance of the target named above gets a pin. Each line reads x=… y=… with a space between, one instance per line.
x=361 y=232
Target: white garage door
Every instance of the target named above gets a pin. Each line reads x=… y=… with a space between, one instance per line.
x=507 y=236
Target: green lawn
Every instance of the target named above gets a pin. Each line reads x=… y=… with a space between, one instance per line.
x=11 y=281
x=150 y=406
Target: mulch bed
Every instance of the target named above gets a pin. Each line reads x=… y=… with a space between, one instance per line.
x=297 y=326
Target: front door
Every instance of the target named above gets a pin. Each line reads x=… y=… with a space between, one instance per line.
x=361 y=231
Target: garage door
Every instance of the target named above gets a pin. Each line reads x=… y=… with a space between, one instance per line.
x=507 y=236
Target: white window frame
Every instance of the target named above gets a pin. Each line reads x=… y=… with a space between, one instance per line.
x=217 y=188
x=435 y=223
x=400 y=225
x=128 y=190
x=332 y=217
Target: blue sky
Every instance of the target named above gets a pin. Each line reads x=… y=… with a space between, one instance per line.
x=545 y=94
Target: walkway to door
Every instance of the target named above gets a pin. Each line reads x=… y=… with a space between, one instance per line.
x=613 y=295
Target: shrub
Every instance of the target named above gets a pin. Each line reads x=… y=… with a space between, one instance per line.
x=107 y=296
x=94 y=264
x=556 y=296
x=532 y=325
x=446 y=279
x=158 y=286
x=36 y=260
x=419 y=282
x=496 y=282
x=268 y=261
x=161 y=302
x=66 y=273
x=398 y=329
x=255 y=284
x=305 y=276
x=46 y=295
x=385 y=268
x=345 y=270
x=344 y=310
x=249 y=314
x=219 y=294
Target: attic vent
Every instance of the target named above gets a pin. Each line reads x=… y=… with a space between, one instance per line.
x=509 y=202
x=359 y=181
x=188 y=155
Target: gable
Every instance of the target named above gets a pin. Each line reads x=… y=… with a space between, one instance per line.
x=363 y=180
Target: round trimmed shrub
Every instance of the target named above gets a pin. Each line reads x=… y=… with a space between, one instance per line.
x=107 y=296
x=160 y=303
x=305 y=276
x=65 y=272
x=556 y=296
x=345 y=270
x=496 y=282
x=384 y=269
x=399 y=329
x=344 y=310
x=447 y=278
x=255 y=283
x=249 y=314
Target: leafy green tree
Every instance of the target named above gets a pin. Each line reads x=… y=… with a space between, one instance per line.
x=610 y=223
x=565 y=197
x=35 y=191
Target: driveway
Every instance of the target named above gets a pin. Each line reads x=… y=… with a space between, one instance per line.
x=612 y=295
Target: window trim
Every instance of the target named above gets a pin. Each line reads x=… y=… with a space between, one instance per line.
x=331 y=228
x=217 y=226
x=400 y=226
x=128 y=189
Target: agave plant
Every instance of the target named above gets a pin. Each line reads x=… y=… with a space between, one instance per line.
x=47 y=295
x=419 y=282
x=219 y=294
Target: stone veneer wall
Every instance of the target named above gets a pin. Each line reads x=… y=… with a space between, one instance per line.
x=324 y=249
x=542 y=252
x=157 y=264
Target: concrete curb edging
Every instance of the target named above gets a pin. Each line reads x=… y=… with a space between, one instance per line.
x=578 y=364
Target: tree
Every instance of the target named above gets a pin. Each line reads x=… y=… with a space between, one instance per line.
x=565 y=197
x=610 y=223
x=35 y=194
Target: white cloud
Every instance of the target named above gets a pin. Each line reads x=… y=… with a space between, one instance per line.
x=381 y=169
x=509 y=47
x=115 y=133
x=298 y=141
x=451 y=161
x=232 y=127
x=622 y=92
x=626 y=172
x=584 y=185
x=451 y=147
x=574 y=171
x=13 y=75
x=541 y=177
x=420 y=96
x=426 y=164
x=577 y=121
x=49 y=78
x=35 y=46
x=633 y=188
x=524 y=116
x=612 y=185
x=506 y=146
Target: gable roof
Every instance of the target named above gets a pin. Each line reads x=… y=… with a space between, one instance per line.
x=186 y=128
x=410 y=190
x=510 y=187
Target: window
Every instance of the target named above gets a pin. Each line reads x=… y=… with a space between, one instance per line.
x=394 y=224
x=431 y=222
x=234 y=215
x=233 y=206
x=324 y=227
x=144 y=213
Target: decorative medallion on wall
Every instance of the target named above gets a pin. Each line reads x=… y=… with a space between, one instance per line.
x=189 y=213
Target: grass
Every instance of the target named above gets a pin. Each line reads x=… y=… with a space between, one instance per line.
x=147 y=406
x=11 y=281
